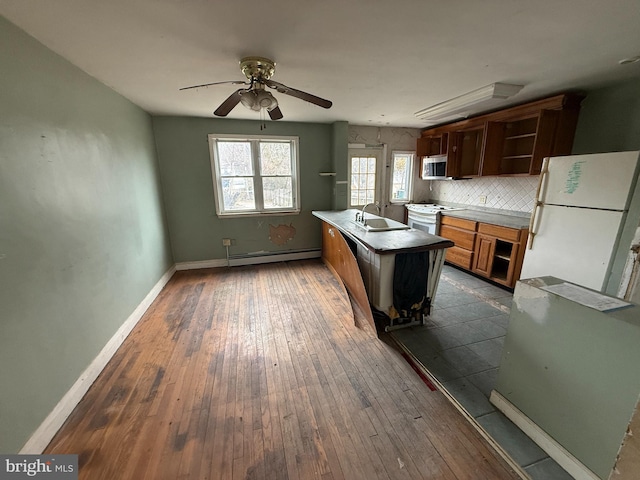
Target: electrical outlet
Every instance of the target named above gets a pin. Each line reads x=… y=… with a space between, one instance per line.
x=483 y=199
x=226 y=242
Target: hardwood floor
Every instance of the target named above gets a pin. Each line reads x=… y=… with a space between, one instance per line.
x=258 y=373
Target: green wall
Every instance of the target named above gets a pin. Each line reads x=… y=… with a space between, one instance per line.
x=82 y=232
x=610 y=119
x=185 y=166
x=340 y=165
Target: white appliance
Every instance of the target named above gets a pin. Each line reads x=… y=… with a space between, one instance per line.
x=434 y=167
x=586 y=213
x=426 y=216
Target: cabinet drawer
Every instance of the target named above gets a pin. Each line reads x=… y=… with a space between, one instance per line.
x=459 y=256
x=462 y=238
x=459 y=222
x=505 y=233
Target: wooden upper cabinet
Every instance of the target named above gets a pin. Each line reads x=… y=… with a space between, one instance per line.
x=518 y=147
x=432 y=145
x=513 y=141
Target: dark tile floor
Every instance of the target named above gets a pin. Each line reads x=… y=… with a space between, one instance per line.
x=461 y=346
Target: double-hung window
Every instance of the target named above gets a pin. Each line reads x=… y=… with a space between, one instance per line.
x=255 y=174
x=401 y=177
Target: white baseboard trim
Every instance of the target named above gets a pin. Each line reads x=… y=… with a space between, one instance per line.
x=250 y=259
x=201 y=264
x=50 y=426
x=556 y=451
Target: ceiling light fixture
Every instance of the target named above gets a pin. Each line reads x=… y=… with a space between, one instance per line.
x=258 y=99
x=469 y=103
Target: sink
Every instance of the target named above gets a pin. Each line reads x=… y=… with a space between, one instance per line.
x=380 y=224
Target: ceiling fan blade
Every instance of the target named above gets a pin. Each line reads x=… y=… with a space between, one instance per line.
x=228 y=105
x=275 y=113
x=321 y=102
x=234 y=82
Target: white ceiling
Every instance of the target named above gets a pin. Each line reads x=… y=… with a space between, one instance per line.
x=379 y=61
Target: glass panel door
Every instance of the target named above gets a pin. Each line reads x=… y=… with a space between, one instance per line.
x=364 y=165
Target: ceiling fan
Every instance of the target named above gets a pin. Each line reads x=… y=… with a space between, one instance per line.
x=258 y=71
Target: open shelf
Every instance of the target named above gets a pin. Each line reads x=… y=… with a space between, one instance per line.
x=500 y=269
x=502 y=258
x=519 y=138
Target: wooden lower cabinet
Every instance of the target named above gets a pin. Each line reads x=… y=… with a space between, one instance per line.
x=463 y=233
x=484 y=255
x=492 y=251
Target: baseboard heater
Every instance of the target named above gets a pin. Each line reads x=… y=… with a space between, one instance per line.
x=253 y=258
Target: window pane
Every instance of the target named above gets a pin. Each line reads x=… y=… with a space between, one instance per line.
x=275 y=158
x=369 y=196
x=371 y=181
x=238 y=193
x=400 y=177
x=363 y=180
x=277 y=192
x=235 y=158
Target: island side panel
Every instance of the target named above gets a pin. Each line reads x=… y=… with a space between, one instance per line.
x=339 y=257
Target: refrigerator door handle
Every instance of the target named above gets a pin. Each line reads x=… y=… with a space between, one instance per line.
x=538 y=203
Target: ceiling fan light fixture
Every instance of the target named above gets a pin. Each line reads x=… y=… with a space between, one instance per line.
x=247 y=98
x=266 y=100
x=258 y=99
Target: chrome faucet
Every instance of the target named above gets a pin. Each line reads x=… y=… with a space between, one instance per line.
x=362 y=217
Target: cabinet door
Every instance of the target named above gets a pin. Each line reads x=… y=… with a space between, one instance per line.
x=484 y=252
x=491 y=162
x=545 y=138
x=432 y=145
x=467 y=146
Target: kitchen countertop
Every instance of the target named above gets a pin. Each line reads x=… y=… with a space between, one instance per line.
x=392 y=241
x=511 y=221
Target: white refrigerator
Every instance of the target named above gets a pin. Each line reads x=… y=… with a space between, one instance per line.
x=586 y=213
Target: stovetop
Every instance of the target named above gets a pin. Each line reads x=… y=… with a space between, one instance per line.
x=429 y=208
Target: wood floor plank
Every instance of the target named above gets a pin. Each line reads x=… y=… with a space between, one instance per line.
x=258 y=373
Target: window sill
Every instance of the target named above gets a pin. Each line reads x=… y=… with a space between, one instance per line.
x=259 y=214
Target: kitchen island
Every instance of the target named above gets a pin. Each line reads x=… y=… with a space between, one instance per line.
x=388 y=269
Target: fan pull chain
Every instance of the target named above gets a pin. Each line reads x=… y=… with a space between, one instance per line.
x=263 y=123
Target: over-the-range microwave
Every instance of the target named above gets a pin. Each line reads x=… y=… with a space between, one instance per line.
x=434 y=167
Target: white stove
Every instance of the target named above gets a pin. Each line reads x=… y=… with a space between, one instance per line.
x=426 y=216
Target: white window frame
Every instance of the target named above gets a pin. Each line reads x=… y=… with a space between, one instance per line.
x=410 y=173
x=255 y=140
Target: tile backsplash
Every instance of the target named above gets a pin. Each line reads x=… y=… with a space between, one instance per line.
x=516 y=194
